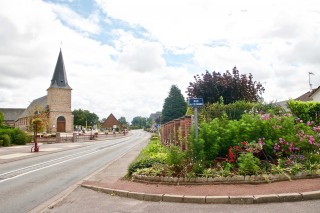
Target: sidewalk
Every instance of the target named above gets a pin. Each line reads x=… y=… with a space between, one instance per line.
x=109 y=180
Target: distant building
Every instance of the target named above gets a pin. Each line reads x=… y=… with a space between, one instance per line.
x=313 y=95
x=11 y=115
x=111 y=122
x=56 y=104
x=155 y=116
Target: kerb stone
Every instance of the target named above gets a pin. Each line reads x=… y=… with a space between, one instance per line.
x=217 y=199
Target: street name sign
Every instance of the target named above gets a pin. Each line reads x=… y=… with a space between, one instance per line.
x=195 y=102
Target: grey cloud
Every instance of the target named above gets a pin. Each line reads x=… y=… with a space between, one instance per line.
x=142 y=58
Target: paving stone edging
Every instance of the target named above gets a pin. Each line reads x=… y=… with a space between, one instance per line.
x=245 y=199
x=235 y=179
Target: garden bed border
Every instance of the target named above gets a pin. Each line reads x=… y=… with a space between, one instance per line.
x=235 y=179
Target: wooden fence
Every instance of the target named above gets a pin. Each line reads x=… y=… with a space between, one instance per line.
x=176 y=132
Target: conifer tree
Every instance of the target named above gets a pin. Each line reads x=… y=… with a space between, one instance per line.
x=174 y=105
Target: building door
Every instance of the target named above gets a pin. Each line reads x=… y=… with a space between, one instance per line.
x=61 y=124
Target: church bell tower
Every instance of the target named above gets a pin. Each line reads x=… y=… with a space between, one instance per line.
x=59 y=100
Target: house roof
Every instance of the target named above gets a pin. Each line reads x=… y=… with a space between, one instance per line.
x=11 y=114
x=110 y=122
x=59 y=78
x=308 y=95
x=154 y=116
x=37 y=104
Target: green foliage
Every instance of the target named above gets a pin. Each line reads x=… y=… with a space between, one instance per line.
x=271 y=142
x=231 y=86
x=234 y=111
x=306 y=111
x=176 y=157
x=156 y=169
x=216 y=136
x=142 y=163
x=6 y=141
x=139 y=122
x=84 y=117
x=153 y=153
x=16 y=136
x=1 y=119
x=123 y=122
x=248 y=164
x=174 y=105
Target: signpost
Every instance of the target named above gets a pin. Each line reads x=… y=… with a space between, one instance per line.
x=196 y=103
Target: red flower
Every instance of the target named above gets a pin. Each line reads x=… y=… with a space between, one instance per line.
x=244 y=143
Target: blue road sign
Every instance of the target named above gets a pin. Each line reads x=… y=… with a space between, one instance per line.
x=195 y=102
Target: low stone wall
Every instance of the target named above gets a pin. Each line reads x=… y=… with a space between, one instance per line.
x=236 y=179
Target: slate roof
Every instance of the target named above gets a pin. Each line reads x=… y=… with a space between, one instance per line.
x=11 y=114
x=59 y=78
x=37 y=104
x=154 y=116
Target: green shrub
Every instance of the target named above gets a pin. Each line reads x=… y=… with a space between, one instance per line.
x=142 y=163
x=157 y=169
x=19 y=137
x=175 y=156
x=248 y=164
x=6 y=140
x=306 y=111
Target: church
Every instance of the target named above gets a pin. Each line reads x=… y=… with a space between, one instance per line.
x=55 y=106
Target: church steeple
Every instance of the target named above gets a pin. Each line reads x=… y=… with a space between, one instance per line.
x=59 y=78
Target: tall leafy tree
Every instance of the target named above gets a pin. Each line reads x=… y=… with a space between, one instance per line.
x=85 y=117
x=174 y=105
x=123 y=122
x=139 y=121
x=231 y=86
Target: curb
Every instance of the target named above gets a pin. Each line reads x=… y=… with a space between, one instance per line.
x=245 y=199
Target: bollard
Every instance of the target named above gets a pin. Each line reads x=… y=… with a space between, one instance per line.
x=58 y=137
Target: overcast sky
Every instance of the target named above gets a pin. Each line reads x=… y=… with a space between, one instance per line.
x=122 y=56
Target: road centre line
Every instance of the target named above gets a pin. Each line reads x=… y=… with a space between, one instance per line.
x=39 y=164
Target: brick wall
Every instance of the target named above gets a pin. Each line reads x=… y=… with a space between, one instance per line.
x=176 y=132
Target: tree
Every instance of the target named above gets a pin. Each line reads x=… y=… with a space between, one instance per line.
x=139 y=122
x=174 y=105
x=84 y=117
x=232 y=87
x=123 y=122
x=1 y=119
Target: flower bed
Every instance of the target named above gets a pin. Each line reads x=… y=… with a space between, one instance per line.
x=265 y=147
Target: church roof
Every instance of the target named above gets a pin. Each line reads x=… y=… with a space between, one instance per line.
x=39 y=104
x=59 y=78
x=11 y=114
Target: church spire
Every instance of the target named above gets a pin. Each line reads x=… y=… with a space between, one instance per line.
x=59 y=78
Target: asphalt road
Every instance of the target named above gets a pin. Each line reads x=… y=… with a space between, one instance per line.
x=26 y=183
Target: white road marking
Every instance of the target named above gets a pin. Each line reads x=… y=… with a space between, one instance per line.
x=48 y=149
x=15 y=155
x=17 y=147
x=71 y=145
